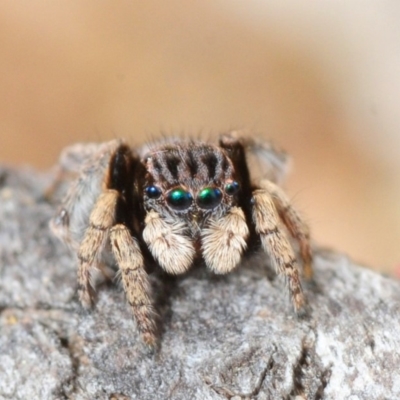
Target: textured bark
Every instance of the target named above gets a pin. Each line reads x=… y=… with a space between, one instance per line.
x=226 y=337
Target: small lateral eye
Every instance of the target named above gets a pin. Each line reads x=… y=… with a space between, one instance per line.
x=231 y=188
x=152 y=192
x=209 y=198
x=179 y=199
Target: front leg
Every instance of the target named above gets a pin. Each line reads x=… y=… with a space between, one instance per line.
x=135 y=281
x=276 y=244
x=292 y=220
x=124 y=169
x=105 y=212
x=109 y=223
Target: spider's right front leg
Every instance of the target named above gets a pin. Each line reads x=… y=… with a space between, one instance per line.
x=109 y=223
x=135 y=281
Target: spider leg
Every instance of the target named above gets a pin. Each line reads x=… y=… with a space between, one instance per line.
x=224 y=241
x=292 y=220
x=88 y=163
x=135 y=280
x=272 y=163
x=109 y=222
x=101 y=219
x=276 y=244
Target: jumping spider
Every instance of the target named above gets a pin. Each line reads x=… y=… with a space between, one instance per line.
x=172 y=203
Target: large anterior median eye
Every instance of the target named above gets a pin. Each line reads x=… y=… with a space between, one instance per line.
x=209 y=198
x=179 y=199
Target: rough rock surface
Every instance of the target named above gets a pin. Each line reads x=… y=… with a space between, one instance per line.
x=230 y=337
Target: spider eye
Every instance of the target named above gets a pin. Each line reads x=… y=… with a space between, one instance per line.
x=209 y=198
x=231 y=188
x=152 y=192
x=179 y=199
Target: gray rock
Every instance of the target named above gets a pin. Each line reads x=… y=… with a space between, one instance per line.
x=227 y=337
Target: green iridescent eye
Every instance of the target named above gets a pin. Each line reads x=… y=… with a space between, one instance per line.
x=179 y=199
x=209 y=198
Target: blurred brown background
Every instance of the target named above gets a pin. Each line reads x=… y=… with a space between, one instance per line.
x=322 y=79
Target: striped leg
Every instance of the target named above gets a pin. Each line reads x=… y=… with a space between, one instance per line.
x=135 y=280
x=292 y=220
x=102 y=218
x=276 y=244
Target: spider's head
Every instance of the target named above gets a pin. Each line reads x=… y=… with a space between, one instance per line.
x=190 y=182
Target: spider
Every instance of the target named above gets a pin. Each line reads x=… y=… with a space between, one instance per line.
x=173 y=203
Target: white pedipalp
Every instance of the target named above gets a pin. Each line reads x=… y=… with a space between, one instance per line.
x=224 y=241
x=168 y=243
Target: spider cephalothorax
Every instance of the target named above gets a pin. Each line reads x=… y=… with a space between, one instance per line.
x=173 y=203
x=189 y=181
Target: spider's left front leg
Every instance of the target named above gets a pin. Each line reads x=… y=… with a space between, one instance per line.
x=292 y=220
x=275 y=242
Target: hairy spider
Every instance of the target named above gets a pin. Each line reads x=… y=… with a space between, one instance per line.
x=172 y=203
